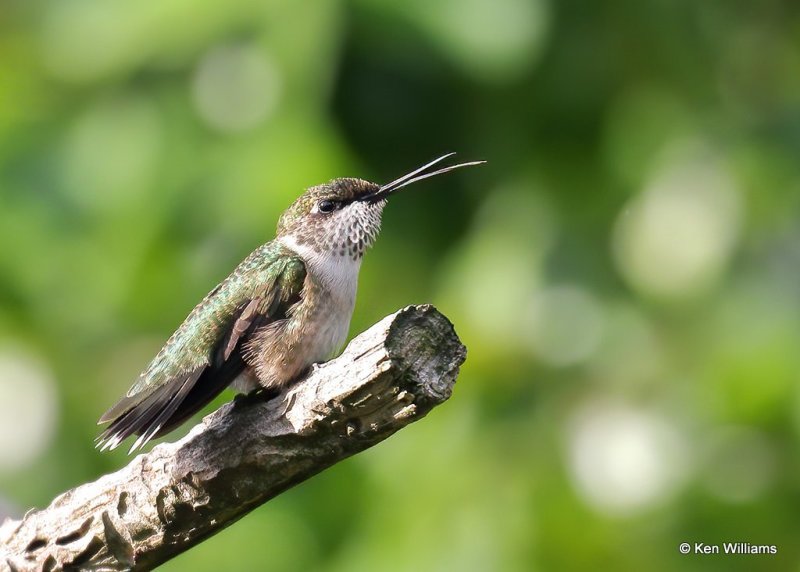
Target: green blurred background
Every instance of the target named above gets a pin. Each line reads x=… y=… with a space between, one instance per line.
x=625 y=271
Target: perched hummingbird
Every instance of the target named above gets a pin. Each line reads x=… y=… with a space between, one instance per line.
x=286 y=306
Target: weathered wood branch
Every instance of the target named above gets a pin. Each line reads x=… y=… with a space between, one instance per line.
x=250 y=450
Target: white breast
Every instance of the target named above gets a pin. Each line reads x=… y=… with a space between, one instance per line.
x=325 y=327
x=339 y=276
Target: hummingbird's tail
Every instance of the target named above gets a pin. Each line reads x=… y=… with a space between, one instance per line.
x=160 y=411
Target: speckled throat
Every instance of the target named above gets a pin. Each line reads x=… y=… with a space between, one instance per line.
x=349 y=231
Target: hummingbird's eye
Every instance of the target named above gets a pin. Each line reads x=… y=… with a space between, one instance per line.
x=326 y=206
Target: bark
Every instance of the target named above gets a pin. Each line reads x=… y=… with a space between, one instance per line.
x=245 y=453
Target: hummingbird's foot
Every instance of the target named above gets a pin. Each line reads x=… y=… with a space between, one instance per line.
x=291 y=397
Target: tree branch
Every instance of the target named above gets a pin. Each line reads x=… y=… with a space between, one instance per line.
x=245 y=453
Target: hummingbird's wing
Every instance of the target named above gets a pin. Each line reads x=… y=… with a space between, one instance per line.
x=206 y=353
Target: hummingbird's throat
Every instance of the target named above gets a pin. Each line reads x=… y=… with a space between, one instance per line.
x=347 y=233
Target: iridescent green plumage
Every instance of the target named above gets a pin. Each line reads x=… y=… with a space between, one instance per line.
x=207 y=352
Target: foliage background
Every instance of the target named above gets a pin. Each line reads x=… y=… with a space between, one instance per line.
x=624 y=271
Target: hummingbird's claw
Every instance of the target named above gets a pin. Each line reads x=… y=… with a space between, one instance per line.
x=291 y=397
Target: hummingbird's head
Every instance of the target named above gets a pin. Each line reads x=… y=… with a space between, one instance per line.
x=335 y=217
x=343 y=216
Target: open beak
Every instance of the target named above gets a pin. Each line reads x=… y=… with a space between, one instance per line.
x=414 y=176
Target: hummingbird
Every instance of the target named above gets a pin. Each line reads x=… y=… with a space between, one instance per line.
x=285 y=307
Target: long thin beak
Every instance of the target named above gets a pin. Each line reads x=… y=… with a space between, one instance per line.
x=416 y=175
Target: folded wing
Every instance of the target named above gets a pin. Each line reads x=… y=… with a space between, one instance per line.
x=206 y=353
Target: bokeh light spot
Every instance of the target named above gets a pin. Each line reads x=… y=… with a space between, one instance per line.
x=565 y=325
x=28 y=408
x=623 y=459
x=236 y=87
x=675 y=238
x=468 y=31
x=631 y=352
x=111 y=153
